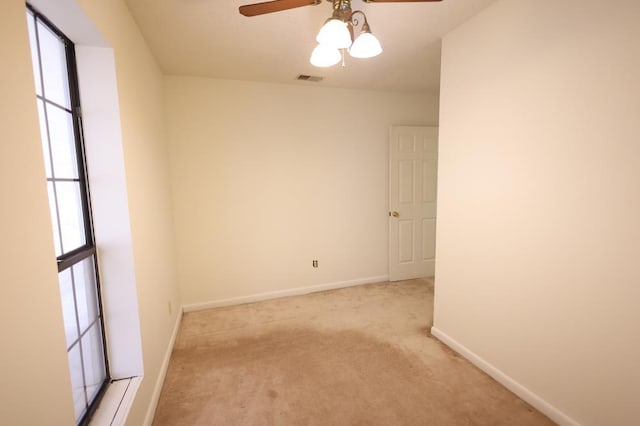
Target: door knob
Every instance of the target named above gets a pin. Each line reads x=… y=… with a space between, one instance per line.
x=395 y=214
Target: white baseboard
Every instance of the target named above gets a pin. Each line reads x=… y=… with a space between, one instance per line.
x=281 y=293
x=155 y=397
x=536 y=401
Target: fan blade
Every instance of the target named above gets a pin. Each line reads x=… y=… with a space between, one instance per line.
x=399 y=1
x=274 y=6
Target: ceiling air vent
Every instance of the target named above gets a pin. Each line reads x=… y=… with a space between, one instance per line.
x=305 y=77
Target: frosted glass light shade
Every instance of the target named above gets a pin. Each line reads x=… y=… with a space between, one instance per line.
x=334 y=33
x=325 y=56
x=365 y=46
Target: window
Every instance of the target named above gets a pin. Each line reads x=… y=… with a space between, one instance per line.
x=53 y=56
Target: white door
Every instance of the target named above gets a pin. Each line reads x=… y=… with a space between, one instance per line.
x=413 y=154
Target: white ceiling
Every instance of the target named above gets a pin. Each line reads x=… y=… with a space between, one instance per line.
x=210 y=38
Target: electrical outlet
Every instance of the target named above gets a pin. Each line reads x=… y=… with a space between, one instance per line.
x=169 y=305
x=314 y=264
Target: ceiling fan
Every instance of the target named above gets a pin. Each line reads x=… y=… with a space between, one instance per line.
x=336 y=35
x=279 y=5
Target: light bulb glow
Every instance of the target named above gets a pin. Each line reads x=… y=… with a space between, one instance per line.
x=325 y=56
x=365 y=46
x=334 y=33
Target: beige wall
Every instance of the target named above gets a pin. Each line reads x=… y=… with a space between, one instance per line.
x=35 y=387
x=539 y=200
x=267 y=178
x=33 y=350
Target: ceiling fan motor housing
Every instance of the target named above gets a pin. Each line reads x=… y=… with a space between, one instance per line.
x=342 y=10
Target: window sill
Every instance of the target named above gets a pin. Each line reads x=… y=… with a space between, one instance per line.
x=116 y=403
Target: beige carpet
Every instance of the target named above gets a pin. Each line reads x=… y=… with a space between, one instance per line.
x=355 y=356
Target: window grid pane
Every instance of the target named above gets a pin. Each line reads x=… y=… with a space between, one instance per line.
x=34 y=52
x=71 y=215
x=84 y=279
x=93 y=359
x=63 y=144
x=68 y=307
x=57 y=239
x=44 y=136
x=53 y=59
x=77 y=382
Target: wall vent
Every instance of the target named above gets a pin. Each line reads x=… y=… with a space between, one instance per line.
x=305 y=77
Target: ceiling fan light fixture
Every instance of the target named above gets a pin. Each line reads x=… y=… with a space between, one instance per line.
x=366 y=45
x=334 y=33
x=337 y=33
x=325 y=56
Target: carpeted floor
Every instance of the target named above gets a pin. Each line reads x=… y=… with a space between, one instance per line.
x=356 y=356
